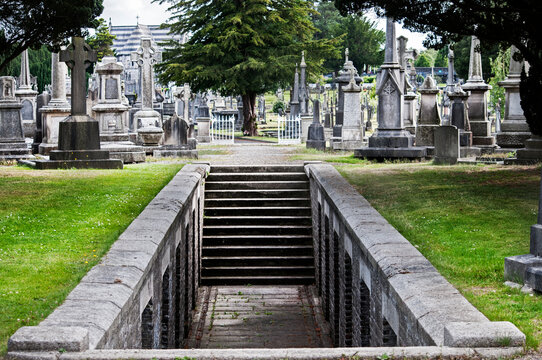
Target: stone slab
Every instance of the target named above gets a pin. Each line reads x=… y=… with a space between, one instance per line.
x=78 y=164
x=515 y=266
x=483 y=334
x=161 y=153
x=49 y=338
x=533 y=278
x=391 y=153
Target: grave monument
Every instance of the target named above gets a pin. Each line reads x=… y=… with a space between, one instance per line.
x=429 y=117
x=79 y=134
x=27 y=97
x=316 y=138
x=410 y=97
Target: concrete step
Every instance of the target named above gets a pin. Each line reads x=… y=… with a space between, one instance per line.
x=257 y=250
x=257 y=202
x=256 y=220
x=282 y=176
x=257 y=271
x=256 y=168
x=252 y=240
x=257 y=230
x=244 y=261
x=257 y=280
x=257 y=193
x=259 y=211
x=219 y=185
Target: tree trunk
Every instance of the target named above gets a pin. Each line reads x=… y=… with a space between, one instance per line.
x=530 y=90
x=249 y=112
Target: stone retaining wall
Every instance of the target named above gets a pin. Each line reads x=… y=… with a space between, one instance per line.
x=131 y=299
x=379 y=290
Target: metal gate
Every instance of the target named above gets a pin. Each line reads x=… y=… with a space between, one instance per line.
x=222 y=129
x=289 y=130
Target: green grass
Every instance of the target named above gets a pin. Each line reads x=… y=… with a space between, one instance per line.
x=465 y=220
x=56 y=225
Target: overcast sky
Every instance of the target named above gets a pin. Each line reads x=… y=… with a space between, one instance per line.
x=125 y=12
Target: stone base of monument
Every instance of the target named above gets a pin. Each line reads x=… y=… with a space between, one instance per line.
x=469 y=151
x=14 y=150
x=531 y=154
x=114 y=137
x=512 y=140
x=425 y=135
x=126 y=151
x=316 y=137
x=381 y=154
x=77 y=159
x=46 y=148
x=149 y=135
x=204 y=124
x=29 y=128
x=524 y=269
x=175 y=151
x=481 y=137
x=52 y=115
x=411 y=129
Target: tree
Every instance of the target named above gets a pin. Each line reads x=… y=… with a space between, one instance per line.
x=32 y=23
x=441 y=59
x=242 y=47
x=40 y=66
x=499 y=67
x=423 y=60
x=357 y=33
x=493 y=21
x=462 y=56
x=102 y=40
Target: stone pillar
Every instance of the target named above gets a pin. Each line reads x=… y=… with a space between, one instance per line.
x=147 y=121
x=429 y=117
x=449 y=87
x=27 y=97
x=459 y=117
x=410 y=97
x=57 y=109
x=480 y=125
x=514 y=128
x=294 y=98
x=352 y=129
x=109 y=109
x=303 y=91
x=41 y=101
x=12 y=143
x=343 y=80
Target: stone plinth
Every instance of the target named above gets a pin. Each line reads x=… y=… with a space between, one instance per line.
x=204 y=124
x=352 y=128
x=343 y=80
x=410 y=104
x=27 y=97
x=446 y=142
x=306 y=121
x=12 y=143
x=429 y=117
x=316 y=136
x=531 y=153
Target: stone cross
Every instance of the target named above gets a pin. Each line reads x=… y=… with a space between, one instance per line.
x=78 y=56
x=146 y=56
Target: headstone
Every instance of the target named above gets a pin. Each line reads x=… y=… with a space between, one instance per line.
x=343 y=80
x=41 y=101
x=79 y=134
x=410 y=97
x=450 y=87
x=480 y=125
x=352 y=129
x=203 y=119
x=459 y=117
x=447 y=149
x=110 y=111
x=57 y=109
x=429 y=117
x=27 y=97
x=12 y=143
x=514 y=130
x=390 y=140
x=527 y=269
x=147 y=121
x=316 y=138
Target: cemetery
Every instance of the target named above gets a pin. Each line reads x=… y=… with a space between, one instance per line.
x=169 y=192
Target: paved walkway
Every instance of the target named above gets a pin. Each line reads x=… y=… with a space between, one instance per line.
x=258 y=317
x=250 y=153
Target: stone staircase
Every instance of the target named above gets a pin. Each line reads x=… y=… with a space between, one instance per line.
x=257 y=226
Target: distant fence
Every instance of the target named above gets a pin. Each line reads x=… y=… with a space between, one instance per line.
x=222 y=129
x=289 y=130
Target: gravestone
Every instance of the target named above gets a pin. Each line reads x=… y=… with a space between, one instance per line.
x=27 y=97
x=478 y=89
x=390 y=140
x=514 y=130
x=459 y=117
x=429 y=117
x=41 y=101
x=57 y=109
x=447 y=149
x=303 y=90
x=527 y=269
x=450 y=88
x=410 y=97
x=294 y=99
x=352 y=128
x=12 y=143
x=203 y=119
x=79 y=134
x=147 y=121
x=176 y=132
x=315 y=138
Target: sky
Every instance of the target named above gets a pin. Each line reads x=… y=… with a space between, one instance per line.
x=125 y=12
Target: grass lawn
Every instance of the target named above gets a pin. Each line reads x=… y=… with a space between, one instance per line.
x=465 y=220
x=56 y=225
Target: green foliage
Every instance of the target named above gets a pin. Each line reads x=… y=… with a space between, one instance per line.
x=40 y=66
x=278 y=105
x=47 y=250
x=242 y=48
x=357 y=33
x=33 y=23
x=441 y=58
x=499 y=67
x=102 y=40
x=423 y=60
x=462 y=57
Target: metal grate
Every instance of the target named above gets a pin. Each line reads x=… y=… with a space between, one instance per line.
x=222 y=129
x=289 y=130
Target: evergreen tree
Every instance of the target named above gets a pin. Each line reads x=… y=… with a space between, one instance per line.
x=39 y=63
x=423 y=60
x=102 y=40
x=242 y=47
x=441 y=60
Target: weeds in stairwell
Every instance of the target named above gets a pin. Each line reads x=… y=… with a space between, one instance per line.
x=235 y=315
x=212 y=317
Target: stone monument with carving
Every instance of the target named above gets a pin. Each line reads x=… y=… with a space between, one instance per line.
x=27 y=97
x=428 y=117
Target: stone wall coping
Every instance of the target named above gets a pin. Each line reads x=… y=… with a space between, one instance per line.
x=83 y=321
x=414 y=283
